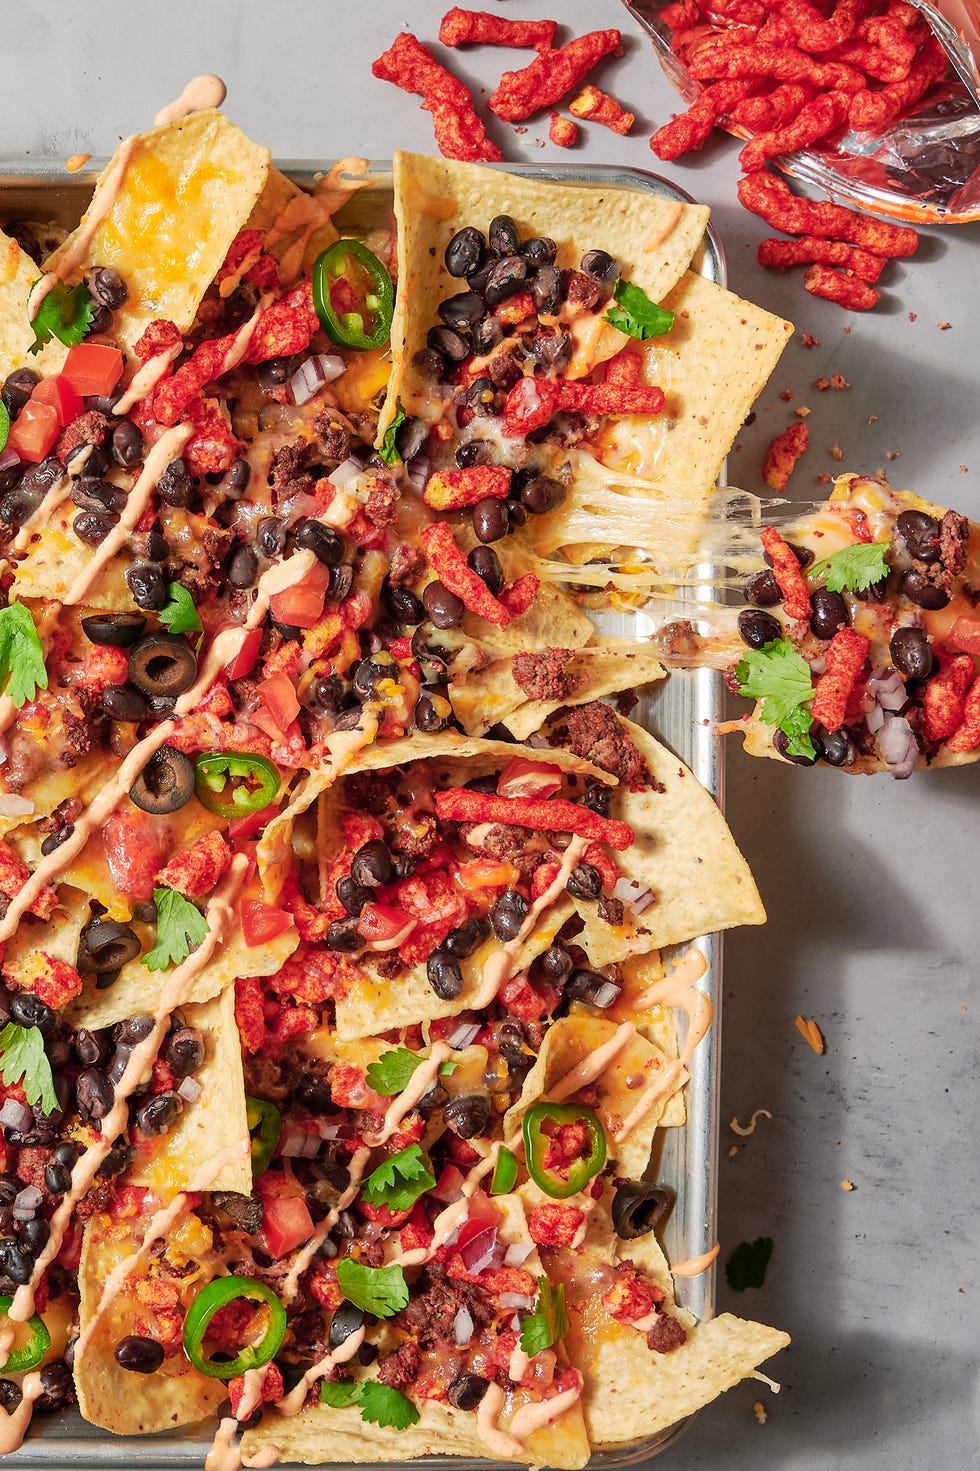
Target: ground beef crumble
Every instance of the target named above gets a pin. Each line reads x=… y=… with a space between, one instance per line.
x=546 y=675
x=593 y=732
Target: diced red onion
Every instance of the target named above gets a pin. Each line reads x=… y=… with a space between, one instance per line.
x=632 y=894
x=888 y=688
x=335 y=1131
x=518 y=1300
x=605 y=994
x=417 y=471
x=517 y=1253
x=463 y=1326
x=898 y=746
x=313 y=373
x=26 y=1202
x=538 y=741
x=345 y=472
x=462 y=1035
x=12 y=804
x=296 y=507
x=16 y=1115
x=9 y=457
x=297 y=1143
x=479 y=1252
x=190 y=1090
x=875 y=719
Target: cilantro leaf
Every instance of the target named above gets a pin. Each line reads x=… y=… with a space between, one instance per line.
x=180 y=929
x=24 y=1060
x=746 y=1267
x=22 y=670
x=392 y=1072
x=4 y=425
x=340 y=1394
x=548 y=1322
x=778 y=675
x=180 y=614
x=797 y=727
x=378 y=1403
x=389 y=449
x=382 y=1405
x=856 y=567
x=400 y=1179
x=379 y=1290
x=66 y=313
x=635 y=314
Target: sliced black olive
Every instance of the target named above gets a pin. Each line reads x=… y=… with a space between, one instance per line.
x=166 y=782
x=638 y=1207
x=105 y=944
x=163 y=664
x=118 y=630
x=347 y=1319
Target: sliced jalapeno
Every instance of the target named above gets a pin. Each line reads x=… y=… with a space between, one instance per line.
x=231 y=784
x=32 y=1352
x=264 y=1124
x=353 y=295
x=218 y=1294
x=561 y=1162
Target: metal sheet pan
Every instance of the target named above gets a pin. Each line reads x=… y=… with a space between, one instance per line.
x=682 y=711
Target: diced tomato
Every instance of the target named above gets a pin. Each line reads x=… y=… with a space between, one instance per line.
x=965 y=635
x=384 y=926
x=286 y=1224
x=93 y=368
x=524 y=778
x=34 y=431
x=244 y=661
x=251 y=823
x=279 y=698
x=263 y=922
x=59 y=394
x=302 y=604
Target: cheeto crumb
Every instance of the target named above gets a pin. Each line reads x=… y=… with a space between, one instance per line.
x=759 y=1411
x=836 y=452
x=786 y=395
x=913 y=316
x=837 y=380
x=802 y=412
x=893 y=454
x=76 y=162
x=872 y=419
x=733 y=1150
x=811 y=1033
x=809 y=340
x=823 y=384
x=848 y=1185
x=562 y=130
x=944 y=326
x=823 y=479
x=962 y=469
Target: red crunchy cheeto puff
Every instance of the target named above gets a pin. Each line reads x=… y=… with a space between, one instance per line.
x=481 y=28
x=816 y=119
x=599 y=107
x=847 y=291
x=966 y=737
x=451 y=567
x=562 y=131
x=944 y=701
x=788 y=574
x=817 y=33
x=845 y=658
x=872 y=112
x=550 y=77
x=547 y=815
x=451 y=490
x=771 y=198
x=782 y=255
x=763 y=113
x=782 y=455
x=777 y=63
x=459 y=131
x=690 y=130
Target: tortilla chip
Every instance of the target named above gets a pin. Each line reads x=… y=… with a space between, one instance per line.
x=175 y=1395
x=55 y=559
x=215 y=1123
x=655 y=238
x=187 y=190
x=17 y=275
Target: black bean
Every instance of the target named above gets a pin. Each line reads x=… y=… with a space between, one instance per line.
x=322 y=541
x=138 y=1354
x=410 y=437
x=175 y=486
x=757 y=628
x=480 y=396
x=243 y=566
x=54 y=840
x=247 y=1211
x=547 y=290
x=347 y=1319
x=403 y=605
x=183 y=1052
x=68 y=1153
x=57 y=1178
x=124 y=702
x=430 y=364
x=107 y=287
x=330 y=693
x=763 y=590
x=507 y=276
x=40 y=478
x=343 y=937
x=163 y=664
x=17 y=389
x=153 y=545
x=920 y=532
x=919 y=590
x=91 y=493
x=477 y=280
x=585 y=984
x=781 y=742
x=468 y=1114
x=538 y=250
x=104 y=403
x=598 y=798
x=542 y=494
x=234 y=482
x=443 y=607
x=503 y=235
x=94 y=1093
x=474 y=452
x=92 y=527
x=58 y=1386
x=16 y=1262
x=147 y=584
x=466 y=1391
x=837 y=748
x=10 y=1187
x=637 y=1208
x=432 y=713
x=584 y=882
x=166 y=783
x=91 y=1048
x=28 y=1010
x=463 y=310
x=370 y=672
x=483 y=560
x=444 y=975
x=126 y=444
x=555 y=964
x=552 y=349
x=97 y=460
x=133 y=1029
x=508 y=914
x=18 y=506
x=828 y=612
x=274 y=372
x=490 y=519
x=349 y=719
x=118 y=1159
x=371 y=864
x=341 y=581
x=601 y=265
x=486 y=335
x=10 y=1395
x=465 y=251
x=485 y=784
x=118 y=1063
x=911 y=652
x=119 y=630
x=159 y=1113
x=467 y=937
x=270 y=535
x=352 y=895
x=34 y=1234
x=100 y=320
x=450 y=344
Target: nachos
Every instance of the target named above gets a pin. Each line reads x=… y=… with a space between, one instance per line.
x=338 y=1036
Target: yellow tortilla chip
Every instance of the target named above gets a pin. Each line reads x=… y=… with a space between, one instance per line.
x=655 y=239
x=187 y=189
x=17 y=275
